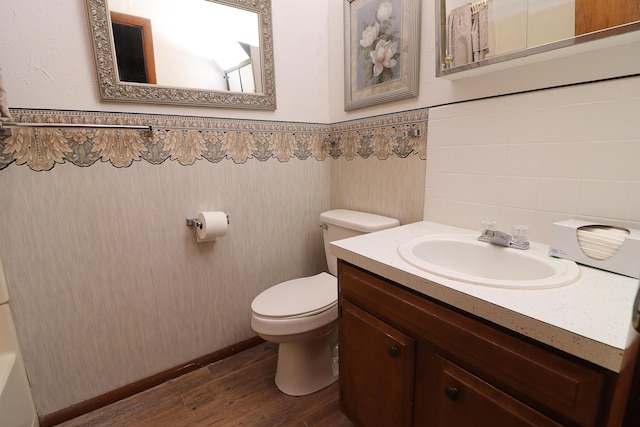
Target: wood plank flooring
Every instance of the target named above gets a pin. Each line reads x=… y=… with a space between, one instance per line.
x=236 y=391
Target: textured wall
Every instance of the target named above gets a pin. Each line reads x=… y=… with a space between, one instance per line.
x=392 y=187
x=107 y=283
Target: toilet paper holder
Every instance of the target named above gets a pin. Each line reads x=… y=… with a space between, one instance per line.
x=195 y=222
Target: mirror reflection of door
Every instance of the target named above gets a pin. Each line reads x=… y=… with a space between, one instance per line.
x=495 y=28
x=134 y=48
x=595 y=15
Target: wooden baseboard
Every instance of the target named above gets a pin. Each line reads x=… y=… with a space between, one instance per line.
x=144 y=384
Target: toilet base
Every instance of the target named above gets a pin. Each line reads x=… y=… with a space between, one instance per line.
x=309 y=366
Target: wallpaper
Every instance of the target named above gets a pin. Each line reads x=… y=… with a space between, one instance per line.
x=190 y=139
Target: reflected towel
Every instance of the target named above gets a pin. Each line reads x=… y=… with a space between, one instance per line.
x=459 y=35
x=4 y=109
x=480 y=32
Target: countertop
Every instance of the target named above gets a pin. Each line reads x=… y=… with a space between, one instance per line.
x=590 y=318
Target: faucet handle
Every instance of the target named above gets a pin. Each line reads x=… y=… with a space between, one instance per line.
x=488 y=226
x=519 y=234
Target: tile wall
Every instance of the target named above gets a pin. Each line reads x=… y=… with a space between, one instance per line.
x=536 y=158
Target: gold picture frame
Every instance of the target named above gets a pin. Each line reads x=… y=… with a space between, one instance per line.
x=382 y=51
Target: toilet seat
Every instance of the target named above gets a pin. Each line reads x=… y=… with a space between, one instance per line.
x=297 y=298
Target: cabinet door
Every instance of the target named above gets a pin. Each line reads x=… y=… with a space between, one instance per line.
x=458 y=398
x=377 y=364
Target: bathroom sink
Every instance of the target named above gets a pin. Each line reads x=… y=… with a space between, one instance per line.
x=462 y=257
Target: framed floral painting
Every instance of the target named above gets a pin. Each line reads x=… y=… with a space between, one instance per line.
x=382 y=48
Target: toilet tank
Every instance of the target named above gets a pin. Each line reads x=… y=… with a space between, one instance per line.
x=342 y=223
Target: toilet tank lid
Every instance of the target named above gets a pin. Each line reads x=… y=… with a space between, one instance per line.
x=359 y=221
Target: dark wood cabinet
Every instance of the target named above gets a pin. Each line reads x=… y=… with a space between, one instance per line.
x=377 y=363
x=406 y=359
x=459 y=398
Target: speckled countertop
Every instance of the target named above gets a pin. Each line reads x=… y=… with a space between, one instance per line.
x=590 y=318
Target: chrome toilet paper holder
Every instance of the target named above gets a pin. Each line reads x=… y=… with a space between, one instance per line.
x=195 y=222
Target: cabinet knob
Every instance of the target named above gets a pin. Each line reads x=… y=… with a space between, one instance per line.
x=393 y=351
x=451 y=392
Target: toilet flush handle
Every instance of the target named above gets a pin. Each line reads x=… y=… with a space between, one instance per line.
x=323 y=226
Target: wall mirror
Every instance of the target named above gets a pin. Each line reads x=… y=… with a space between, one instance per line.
x=216 y=53
x=487 y=32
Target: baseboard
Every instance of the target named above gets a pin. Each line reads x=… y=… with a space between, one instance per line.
x=121 y=393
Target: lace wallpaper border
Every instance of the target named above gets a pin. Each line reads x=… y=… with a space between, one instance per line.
x=188 y=139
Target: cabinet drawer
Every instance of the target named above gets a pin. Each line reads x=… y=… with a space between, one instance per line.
x=557 y=385
x=462 y=399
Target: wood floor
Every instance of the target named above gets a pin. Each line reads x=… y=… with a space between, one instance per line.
x=236 y=391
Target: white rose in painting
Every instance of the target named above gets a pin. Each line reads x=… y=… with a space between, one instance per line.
x=384 y=11
x=369 y=35
x=382 y=56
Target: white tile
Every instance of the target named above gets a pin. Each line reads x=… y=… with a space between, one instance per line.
x=631 y=86
x=511 y=216
x=609 y=199
x=559 y=195
x=573 y=123
x=542 y=225
x=528 y=125
x=592 y=92
x=526 y=101
x=462 y=131
x=523 y=160
x=460 y=187
x=617 y=119
x=491 y=160
x=465 y=215
x=440 y=186
x=437 y=159
x=634 y=201
x=438 y=132
x=610 y=160
x=635 y=168
x=490 y=128
x=552 y=154
x=434 y=208
x=483 y=212
x=443 y=112
x=461 y=159
x=458 y=214
x=520 y=192
x=562 y=160
x=487 y=189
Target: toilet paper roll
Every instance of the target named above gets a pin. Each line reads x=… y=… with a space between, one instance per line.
x=214 y=225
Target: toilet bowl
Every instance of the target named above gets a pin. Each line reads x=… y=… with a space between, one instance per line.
x=301 y=315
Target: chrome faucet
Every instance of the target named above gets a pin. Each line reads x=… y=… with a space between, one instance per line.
x=500 y=238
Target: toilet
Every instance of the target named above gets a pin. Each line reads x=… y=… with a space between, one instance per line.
x=301 y=315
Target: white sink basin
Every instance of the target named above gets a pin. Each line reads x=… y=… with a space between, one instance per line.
x=462 y=257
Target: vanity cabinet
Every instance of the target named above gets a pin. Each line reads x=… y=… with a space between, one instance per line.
x=406 y=359
x=380 y=361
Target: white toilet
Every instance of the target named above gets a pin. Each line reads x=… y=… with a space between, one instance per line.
x=301 y=315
